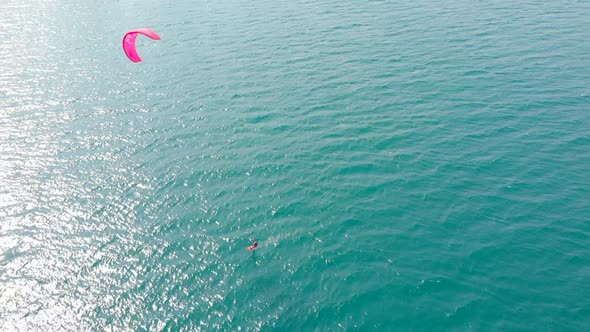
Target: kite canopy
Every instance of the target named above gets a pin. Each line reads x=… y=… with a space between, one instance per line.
x=129 y=42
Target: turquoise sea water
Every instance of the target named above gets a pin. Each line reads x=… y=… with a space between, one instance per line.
x=405 y=166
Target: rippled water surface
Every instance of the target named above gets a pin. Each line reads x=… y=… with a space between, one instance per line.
x=405 y=165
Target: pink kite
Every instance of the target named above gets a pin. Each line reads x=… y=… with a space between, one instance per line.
x=129 y=42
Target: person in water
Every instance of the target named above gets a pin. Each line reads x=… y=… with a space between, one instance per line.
x=254 y=245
